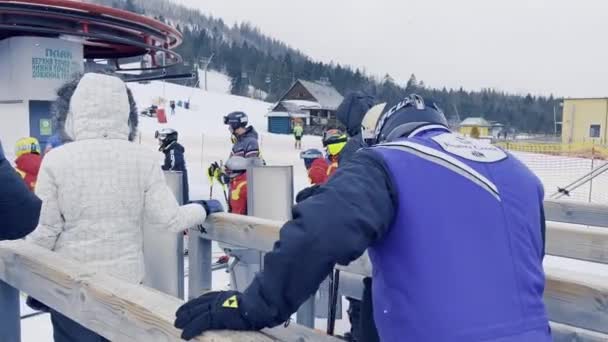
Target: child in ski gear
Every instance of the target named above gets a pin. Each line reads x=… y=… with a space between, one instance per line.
x=174 y=157
x=316 y=166
x=389 y=195
x=99 y=189
x=298 y=133
x=334 y=141
x=246 y=144
x=19 y=207
x=236 y=172
x=27 y=151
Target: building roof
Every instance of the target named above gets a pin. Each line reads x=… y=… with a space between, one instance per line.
x=480 y=122
x=584 y=98
x=297 y=106
x=327 y=96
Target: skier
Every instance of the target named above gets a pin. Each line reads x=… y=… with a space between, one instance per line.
x=246 y=144
x=99 y=190
x=455 y=231
x=334 y=141
x=19 y=207
x=244 y=138
x=246 y=262
x=236 y=177
x=172 y=105
x=174 y=157
x=316 y=166
x=298 y=133
x=27 y=151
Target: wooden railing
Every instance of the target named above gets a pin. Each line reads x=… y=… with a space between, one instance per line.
x=576 y=293
x=115 y=309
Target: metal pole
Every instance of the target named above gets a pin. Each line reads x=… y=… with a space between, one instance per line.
x=10 y=315
x=199 y=261
x=592 y=168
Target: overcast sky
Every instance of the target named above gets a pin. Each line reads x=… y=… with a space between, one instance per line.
x=538 y=46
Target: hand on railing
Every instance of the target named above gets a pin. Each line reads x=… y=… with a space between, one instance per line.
x=212 y=311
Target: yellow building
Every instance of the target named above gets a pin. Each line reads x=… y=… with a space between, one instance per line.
x=468 y=125
x=585 y=121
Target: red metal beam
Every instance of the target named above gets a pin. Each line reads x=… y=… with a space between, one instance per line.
x=174 y=37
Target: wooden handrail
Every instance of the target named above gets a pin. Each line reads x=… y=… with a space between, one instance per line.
x=568 y=295
x=115 y=309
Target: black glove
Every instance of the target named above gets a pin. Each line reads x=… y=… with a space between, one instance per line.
x=367 y=326
x=34 y=304
x=212 y=311
x=306 y=193
x=352 y=110
x=211 y=206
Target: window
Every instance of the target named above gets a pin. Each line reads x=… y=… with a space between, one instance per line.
x=594 y=131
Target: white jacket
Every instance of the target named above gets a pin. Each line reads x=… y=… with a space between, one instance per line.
x=98 y=190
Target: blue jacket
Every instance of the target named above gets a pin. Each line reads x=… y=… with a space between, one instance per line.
x=370 y=200
x=19 y=207
x=479 y=210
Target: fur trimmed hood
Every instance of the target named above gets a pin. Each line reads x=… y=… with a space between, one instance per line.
x=95 y=106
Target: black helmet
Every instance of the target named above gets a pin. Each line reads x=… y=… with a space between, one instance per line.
x=408 y=115
x=236 y=120
x=166 y=136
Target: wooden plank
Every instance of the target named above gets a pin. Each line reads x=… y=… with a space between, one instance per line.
x=117 y=310
x=578 y=213
x=569 y=241
x=566 y=333
x=576 y=293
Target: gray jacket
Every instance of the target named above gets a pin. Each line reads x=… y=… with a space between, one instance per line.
x=247 y=145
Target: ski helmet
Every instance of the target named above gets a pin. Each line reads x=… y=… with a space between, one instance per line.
x=236 y=120
x=408 y=115
x=334 y=141
x=166 y=136
x=27 y=145
x=368 y=125
x=310 y=155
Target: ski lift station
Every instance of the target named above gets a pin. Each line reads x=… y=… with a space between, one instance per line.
x=44 y=43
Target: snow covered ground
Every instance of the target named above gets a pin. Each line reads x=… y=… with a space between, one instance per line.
x=206 y=140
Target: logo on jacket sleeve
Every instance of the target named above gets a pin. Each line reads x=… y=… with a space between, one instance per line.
x=470 y=149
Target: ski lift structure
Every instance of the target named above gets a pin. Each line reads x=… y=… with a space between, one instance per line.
x=43 y=43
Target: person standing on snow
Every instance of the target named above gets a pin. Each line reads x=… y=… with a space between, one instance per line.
x=298 y=133
x=334 y=141
x=99 y=189
x=19 y=207
x=316 y=166
x=27 y=151
x=444 y=269
x=246 y=144
x=174 y=157
x=172 y=105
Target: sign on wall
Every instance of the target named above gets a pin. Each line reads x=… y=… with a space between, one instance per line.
x=55 y=64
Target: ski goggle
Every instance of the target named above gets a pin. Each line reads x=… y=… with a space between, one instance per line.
x=335 y=148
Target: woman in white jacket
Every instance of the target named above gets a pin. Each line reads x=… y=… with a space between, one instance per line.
x=99 y=189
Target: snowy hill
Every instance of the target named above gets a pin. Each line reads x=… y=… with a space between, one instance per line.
x=207 y=139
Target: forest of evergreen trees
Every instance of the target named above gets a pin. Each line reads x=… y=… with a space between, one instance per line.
x=253 y=59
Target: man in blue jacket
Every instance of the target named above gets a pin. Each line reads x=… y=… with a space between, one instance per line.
x=19 y=207
x=455 y=231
